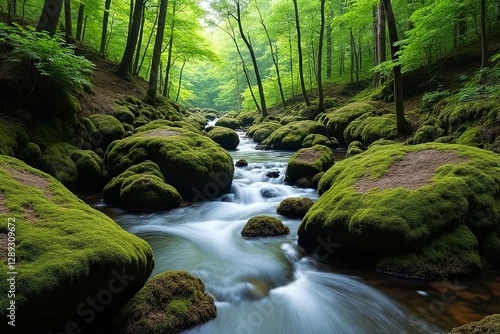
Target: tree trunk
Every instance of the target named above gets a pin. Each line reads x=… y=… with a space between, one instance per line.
x=67 y=21
x=79 y=22
x=9 y=11
x=299 y=46
x=180 y=81
x=105 y=19
x=484 y=40
x=128 y=54
x=254 y=60
x=50 y=16
x=401 y=122
x=291 y=60
x=166 y=89
x=131 y=16
x=321 y=97
x=24 y=12
x=148 y=43
x=353 y=55
x=153 y=77
x=462 y=26
x=329 y=46
x=139 y=43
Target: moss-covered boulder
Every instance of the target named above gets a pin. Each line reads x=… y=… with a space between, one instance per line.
x=291 y=136
x=307 y=162
x=260 y=132
x=108 y=129
x=315 y=139
x=336 y=121
x=31 y=154
x=427 y=133
x=354 y=148
x=169 y=303
x=228 y=122
x=295 y=207
x=435 y=207
x=241 y=163
x=66 y=253
x=124 y=115
x=192 y=163
x=369 y=128
x=264 y=226
x=13 y=138
x=225 y=137
x=289 y=119
x=487 y=325
x=142 y=187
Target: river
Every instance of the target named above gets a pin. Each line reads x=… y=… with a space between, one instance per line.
x=269 y=286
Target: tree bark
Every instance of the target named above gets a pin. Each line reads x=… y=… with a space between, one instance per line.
x=299 y=46
x=139 y=43
x=79 y=22
x=321 y=97
x=180 y=81
x=166 y=89
x=484 y=40
x=329 y=46
x=402 y=124
x=148 y=43
x=128 y=54
x=67 y=21
x=50 y=16
x=153 y=77
x=254 y=60
x=105 y=20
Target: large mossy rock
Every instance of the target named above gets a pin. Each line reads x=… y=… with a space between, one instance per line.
x=169 y=303
x=308 y=162
x=192 y=163
x=108 y=129
x=295 y=207
x=427 y=133
x=291 y=136
x=487 y=325
x=336 y=121
x=13 y=138
x=228 y=122
x=264 y=226
x=315 y=139
x=225 y=137
x=370 y=128
x=429 y=210
x=66 y=253
x=142 y=187
x=260 y=132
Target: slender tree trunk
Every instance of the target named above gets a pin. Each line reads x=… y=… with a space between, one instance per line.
x=274 y=57
x=381 y=39
x=299 y=46
x=153 y=77
x=321 y=97
x=353 y=55
x=291 y=60
x=462 y=26
x=238 y=92
x=131 y=16
x=329 y=46
x=148 y=43
x=67 y=21
x=401 y=122
x=166 y=89
x=109 y=35
x=24 y=12
x=180 y=81
x=50 y=16
x=139 y=43
x=254 y=60
x=128 y=54
x=376 y=74
x=9 y=11
x=105 y=20
x=79 y=22
x=484 y=40
x=84 y=28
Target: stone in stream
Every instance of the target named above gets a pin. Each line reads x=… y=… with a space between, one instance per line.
x=264 y=226
x=226 y=138
x=290 y=136
x=429 y=210
x=273 y=174
x=295 y=207
x=241 y=163
x=66 y=253
x=487 y=325
x=308 y=162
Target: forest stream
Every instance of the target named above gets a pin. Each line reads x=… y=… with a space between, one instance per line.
x=267 y=285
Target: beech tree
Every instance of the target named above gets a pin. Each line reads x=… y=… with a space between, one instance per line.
x=125 y=65
x=50 y=16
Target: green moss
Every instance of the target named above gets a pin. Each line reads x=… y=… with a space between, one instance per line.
x=295 y=207
x=260 y=132
x=228 y=122
x=336 y=121
x=141 y=121
x=456 y=113
x=369 y=128
x=148 y=192
x=12 y=138
x=187 y=125
x=31 y=154
x=291 y=136
x=193 y=164
x=315 y=139
x=225 y=137
x=169 y=303
x=427 y=133
x=470 y=137
x=289 y=119
x=307 y=162
x=464 y=192
x=247 y=118
x=124 y=115
x=108 y=128
x=354 y=148
x=65 y=250
x=487 y=325
x=264 y=226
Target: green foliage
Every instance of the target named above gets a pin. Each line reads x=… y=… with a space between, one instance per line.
x=50 y=57
x=429 y=98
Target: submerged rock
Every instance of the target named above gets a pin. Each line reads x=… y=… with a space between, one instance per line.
x=264 y=226
x=429 y=210
x=169 y=303
x=66 y=253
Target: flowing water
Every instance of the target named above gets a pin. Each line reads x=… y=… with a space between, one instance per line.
x=268 y=285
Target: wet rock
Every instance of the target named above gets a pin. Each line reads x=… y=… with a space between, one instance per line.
x=241 y=163
x=264 y=226
x=274 y=174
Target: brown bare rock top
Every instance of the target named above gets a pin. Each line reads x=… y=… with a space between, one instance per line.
x=161 y=133
x=413 y=172
x=309 y=155
x=29 y=179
